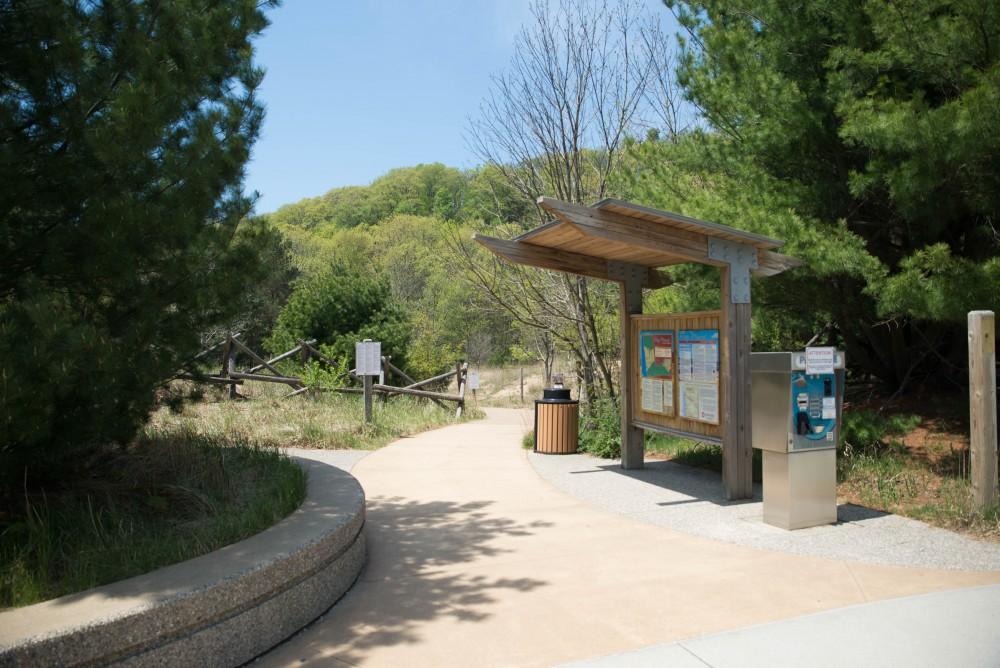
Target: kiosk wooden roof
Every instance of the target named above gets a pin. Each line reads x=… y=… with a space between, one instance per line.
x=627 y=243
x=582 y=240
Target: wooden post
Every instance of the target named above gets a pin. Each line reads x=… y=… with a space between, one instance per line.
x=367 y=381
x=460 y=377
x=229 y=365
x=522 y=384
x=629 y=303
x=304 y=353
x=983 y=408
x=734 y=388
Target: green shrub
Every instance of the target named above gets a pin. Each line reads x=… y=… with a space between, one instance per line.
x=338 y=309
x=601 y=429
x=866 y=430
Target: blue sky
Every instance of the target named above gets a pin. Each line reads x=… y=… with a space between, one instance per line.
x=354 y=89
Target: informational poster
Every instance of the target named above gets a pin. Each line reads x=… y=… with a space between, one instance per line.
x=473 y=380
x=698 y=373
x=700 y=401
x=368 y=358
x=656 y=364
x=698 y=355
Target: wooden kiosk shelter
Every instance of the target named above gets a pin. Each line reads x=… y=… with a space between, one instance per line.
x=623 y=242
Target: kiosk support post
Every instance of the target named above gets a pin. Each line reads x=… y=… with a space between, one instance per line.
x=630 y=303
x=737 y=450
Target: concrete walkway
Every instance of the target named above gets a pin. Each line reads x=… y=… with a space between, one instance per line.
x=476 y=560
x=691 y=500
x=951 y=628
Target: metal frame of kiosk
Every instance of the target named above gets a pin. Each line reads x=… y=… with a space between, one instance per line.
x=796 y=423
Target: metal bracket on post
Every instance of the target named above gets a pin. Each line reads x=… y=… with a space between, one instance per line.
x=741 y=259
x=633 y=276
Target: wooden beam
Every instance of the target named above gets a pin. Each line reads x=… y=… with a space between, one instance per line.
x=418 y=393
x=520 y=252
x=633 y=443
x=287 y=380
x=770 y=263
x=734 y=386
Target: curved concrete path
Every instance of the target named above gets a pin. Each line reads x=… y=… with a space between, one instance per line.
x=476 y=560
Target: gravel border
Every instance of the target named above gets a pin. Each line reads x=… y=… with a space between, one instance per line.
x=690 y=500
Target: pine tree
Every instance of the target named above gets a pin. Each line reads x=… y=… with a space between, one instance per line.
x=124 y=130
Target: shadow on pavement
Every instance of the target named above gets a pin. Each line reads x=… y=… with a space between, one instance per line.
x=695 y=483
x=419 y=556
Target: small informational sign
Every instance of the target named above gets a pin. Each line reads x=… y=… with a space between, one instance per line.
x=656 y=367
x=473 y=380
x=819 y=360
x=829 y=408
x=368 y=358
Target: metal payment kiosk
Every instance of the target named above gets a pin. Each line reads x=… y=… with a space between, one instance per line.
x=797 y=399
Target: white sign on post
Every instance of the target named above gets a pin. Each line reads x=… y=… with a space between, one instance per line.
x=473 y=380
x=819 y=360
x=368 y=358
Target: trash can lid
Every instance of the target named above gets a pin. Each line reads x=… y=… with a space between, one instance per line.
x=559 y=393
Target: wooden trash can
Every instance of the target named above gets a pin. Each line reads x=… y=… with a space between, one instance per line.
x=556 y=422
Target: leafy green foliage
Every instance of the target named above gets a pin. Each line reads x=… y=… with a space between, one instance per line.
x=601 y=429
x=338 y=309
x=320 y=375
x=124 y=129
x=865 y=134
x=867 y=430
x=423 y=190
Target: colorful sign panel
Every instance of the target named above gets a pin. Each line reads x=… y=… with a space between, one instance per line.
x=656 y=365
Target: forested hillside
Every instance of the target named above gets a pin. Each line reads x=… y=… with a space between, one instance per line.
x=396 y=238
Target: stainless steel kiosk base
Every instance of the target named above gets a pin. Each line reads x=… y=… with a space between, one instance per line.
x=800 y=488
x=796 y=416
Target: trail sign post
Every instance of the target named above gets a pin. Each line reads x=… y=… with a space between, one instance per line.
x=367 y=364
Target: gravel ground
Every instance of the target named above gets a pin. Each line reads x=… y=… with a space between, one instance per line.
x=342 y=459
x=690 y=500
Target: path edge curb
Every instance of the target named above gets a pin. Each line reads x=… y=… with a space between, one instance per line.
x=221 y=609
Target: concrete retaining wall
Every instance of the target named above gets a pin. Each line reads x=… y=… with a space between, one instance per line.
x=221 y=609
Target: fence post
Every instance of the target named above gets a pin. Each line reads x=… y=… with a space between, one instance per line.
x=460 y=370
x=983 y=408
x=522 y=384
x=229 y=365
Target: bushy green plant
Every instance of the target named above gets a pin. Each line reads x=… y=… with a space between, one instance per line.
x=338 y=309
x=868 y=430
x=601 y=429
x=324 y=376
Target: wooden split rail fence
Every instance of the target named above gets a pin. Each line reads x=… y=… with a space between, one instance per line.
x=264 y=371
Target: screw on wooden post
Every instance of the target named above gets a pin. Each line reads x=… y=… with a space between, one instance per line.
x=983 y=408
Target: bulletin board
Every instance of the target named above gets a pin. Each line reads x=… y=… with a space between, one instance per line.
x=676 y=380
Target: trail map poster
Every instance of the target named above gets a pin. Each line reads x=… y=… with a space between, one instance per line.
x=656 y=364
x=698 y=373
